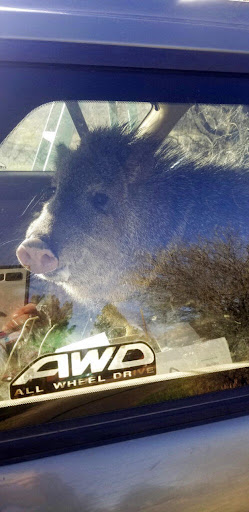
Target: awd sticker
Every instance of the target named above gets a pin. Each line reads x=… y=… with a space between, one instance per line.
x=66 y=371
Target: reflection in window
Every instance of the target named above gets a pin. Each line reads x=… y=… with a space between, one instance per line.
x=145 y=239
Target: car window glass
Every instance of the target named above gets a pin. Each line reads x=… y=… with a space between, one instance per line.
x=32 y=144
x=133 y=262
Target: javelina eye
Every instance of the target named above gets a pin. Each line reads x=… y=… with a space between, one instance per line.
x=100 y=201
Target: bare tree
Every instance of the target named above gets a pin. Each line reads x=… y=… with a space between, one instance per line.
x=211 y=277
x=213 y=134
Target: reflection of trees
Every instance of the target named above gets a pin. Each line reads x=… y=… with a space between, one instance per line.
x=211 y=277
x=54 y=318
x=117 y=327
x=113 y=323
x=45 y=330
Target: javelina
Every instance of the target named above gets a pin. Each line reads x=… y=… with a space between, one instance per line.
x=116 y=195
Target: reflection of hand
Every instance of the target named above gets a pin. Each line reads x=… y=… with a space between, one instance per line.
x=19 y=317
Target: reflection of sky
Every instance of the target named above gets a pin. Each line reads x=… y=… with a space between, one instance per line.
x=198 y=202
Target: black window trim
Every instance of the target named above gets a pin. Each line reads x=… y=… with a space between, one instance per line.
x=37 y=84
x=70 y=435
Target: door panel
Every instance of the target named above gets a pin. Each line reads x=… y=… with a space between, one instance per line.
x=197 y=469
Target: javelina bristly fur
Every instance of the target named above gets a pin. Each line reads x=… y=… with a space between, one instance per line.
x=117 y=195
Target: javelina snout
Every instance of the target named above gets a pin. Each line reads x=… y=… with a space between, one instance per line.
x=117 y=195
x=34 y=255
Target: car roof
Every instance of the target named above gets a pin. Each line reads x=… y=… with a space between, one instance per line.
x=203 y=24
x=213 y=26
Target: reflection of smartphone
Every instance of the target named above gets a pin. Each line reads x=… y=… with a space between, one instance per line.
x=14 y=287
